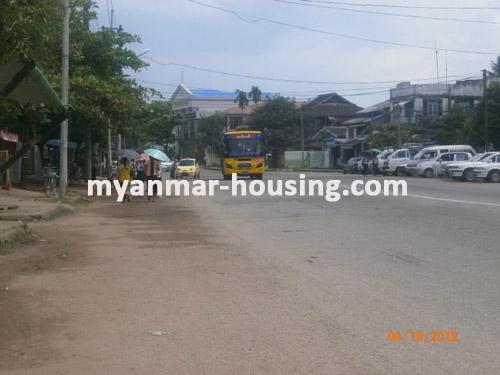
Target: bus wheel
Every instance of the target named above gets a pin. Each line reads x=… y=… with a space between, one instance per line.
x=227 y=177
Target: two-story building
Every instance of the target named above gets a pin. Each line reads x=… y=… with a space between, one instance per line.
x=194 y=104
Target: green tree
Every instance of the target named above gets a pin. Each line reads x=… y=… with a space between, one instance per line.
x=478 y=131
x=279 y=120
x=241 y=99
x=454 y=127
x=28 y=29
x=159 y=121
x=210 y=132
x=495 y=67
x=255 y=94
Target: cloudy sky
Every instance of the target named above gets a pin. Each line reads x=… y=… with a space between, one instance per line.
x=183 y=32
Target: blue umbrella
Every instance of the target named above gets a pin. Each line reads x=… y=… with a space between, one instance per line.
x=129 y=154
x=157 y=154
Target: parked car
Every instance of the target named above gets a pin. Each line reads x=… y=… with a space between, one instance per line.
x=351 y=166
x=429 y=153
x=490 y=172
x=187 y=167
x=465 y=170
x=395 y=162
x=436 y=166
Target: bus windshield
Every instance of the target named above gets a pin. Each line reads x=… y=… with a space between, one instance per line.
x=237 y=145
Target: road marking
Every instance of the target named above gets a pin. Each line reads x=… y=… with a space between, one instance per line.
x=454 y=200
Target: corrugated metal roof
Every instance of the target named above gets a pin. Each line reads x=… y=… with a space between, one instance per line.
x=209 y=93
x=32 y=88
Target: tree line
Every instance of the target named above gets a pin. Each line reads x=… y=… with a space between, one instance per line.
x=101 y=92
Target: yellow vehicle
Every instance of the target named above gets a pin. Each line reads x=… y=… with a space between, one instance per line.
x=187 y=168
x=243 y=154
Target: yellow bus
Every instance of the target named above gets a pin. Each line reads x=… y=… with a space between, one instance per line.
x=243 y=154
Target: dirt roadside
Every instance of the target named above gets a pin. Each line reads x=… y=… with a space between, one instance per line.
x=155 y=288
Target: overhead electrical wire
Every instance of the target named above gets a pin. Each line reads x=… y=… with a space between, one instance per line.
x=429 y=18
x=401 y=6
x=264 y=78
x=339 y=35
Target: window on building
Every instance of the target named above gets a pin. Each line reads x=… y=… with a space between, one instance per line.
x=433 y=108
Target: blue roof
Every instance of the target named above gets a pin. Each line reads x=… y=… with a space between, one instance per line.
x=209 y=93
x=213 y=93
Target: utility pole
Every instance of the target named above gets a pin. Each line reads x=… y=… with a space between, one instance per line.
x=302 y=136
x=63 y=145
x=110 y=153
x=485 y=101
x=119 y=145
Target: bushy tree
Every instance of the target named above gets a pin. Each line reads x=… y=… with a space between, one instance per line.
x=455 y=127
x=279 y=120
x=210 y=132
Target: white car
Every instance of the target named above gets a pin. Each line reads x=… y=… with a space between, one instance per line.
x=429 y=153
x=490 y=172
x=436 y=166
x=465 y=170
x=395 y=163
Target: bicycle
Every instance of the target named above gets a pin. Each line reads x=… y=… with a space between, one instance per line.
x=50 y=182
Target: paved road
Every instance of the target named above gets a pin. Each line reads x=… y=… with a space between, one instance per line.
x=260 y=285
x=430 y=261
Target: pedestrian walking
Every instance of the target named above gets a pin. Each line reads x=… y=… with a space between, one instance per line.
x=124 y=173
x=152 y=172
x=375 y=165
x=364 y=164
x=139 y=170
x=173 y=167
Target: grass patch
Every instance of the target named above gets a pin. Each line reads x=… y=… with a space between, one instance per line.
x=21 y=235
x=57 y=212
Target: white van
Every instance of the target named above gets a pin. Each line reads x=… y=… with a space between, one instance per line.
x=395 y=162
x=431 y=152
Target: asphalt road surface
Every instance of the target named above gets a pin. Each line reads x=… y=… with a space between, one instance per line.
x=262 y=285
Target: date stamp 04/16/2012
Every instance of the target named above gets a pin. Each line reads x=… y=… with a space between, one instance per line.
x=431 y=336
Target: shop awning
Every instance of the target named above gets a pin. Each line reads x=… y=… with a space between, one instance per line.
x=25 y=83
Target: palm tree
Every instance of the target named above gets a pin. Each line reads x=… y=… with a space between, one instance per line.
x=495 y=67
x=255 y=94
x=241 y=99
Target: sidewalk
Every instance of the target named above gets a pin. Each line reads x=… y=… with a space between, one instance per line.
x=19 y=207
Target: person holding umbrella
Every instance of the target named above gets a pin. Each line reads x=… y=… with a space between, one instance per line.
x=124 y=174
x=151 y=170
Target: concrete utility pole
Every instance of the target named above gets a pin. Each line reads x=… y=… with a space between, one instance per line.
x=302 y=136
x=110 y=152
x=119 y=145
x=63 y=145
x=485 y=100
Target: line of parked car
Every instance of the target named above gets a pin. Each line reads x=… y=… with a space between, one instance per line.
x=459 y=162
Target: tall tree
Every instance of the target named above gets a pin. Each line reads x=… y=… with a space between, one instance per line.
x=495 y=67
x=210 y=132
x=241 y=99
x=255 y=94
x=280 y=121
x=454 y=127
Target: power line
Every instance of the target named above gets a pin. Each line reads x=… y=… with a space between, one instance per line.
x=307 y=4
x=263 y=78
x=340 y=35
x=376 y=5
